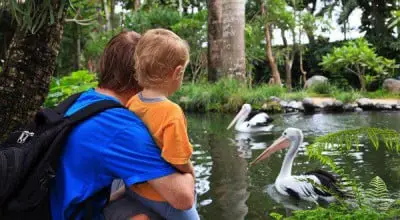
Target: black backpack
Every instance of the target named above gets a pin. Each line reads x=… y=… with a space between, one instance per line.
x=29 y=159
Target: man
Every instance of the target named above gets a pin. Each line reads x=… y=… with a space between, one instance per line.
x=114 y=144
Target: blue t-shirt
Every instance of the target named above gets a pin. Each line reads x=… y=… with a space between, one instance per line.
x=112 y=144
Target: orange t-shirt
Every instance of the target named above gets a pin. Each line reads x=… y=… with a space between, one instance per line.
x=167 y=124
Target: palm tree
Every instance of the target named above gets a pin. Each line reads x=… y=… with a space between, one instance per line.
x=30 y=60
x=233 y=44
x=214 y=39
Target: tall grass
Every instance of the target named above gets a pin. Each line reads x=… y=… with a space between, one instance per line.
x=225 y=95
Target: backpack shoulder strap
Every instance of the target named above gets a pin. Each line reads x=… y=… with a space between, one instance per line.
x=93 y=109
x=64 y=105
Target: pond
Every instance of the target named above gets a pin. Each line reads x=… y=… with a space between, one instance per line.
x=228 y=189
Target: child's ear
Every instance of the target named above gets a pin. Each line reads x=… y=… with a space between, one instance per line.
x=178 y=71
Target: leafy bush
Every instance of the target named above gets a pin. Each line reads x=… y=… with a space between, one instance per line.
x=324 y=88
x=359 y=58
x=75 y=82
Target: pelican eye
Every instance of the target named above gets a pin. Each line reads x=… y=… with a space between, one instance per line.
x=284 y=133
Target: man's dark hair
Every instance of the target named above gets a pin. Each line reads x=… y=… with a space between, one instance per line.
x=117 y=67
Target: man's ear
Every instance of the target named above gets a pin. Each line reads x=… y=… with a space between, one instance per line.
x=177 y=73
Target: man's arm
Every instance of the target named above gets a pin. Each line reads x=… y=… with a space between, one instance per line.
x=177 y=189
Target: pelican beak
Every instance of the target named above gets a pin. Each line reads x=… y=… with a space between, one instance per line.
x=235 y=119
x=279 y=144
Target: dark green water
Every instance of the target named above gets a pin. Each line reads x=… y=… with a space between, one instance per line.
x=229 y=189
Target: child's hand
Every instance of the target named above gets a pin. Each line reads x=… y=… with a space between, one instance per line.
x=185 y=168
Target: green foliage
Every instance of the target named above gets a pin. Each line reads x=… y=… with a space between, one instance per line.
x=76 y=82
x=228 y=95
x=338 y=213
x=276 y=216
x=225 y=95
x=297 y=95
x=32 y=15
x=324 y=88
x=277 y=13
x=96 y=43
x=255 y=50
x=155 y=17
x=376 y=205
x=359 y=58
x=348 y=96
x=193 y=28
x=381 y=94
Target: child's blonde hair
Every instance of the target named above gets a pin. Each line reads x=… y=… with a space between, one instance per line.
x=159 y=51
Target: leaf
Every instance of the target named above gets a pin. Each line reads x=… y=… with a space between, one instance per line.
x=378 y=195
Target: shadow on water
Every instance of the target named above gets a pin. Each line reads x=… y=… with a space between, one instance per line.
x=229 y=189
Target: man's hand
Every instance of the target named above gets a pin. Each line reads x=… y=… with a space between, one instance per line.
x=185 y=168
x=177 y=189
x=117 y=194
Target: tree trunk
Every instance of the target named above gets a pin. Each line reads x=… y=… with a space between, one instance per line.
x=78 y=47
x=289 y=58
x=214 y=40
x=275 y=75
x=137 y=5
x=180 y=7
x=107 y=13
x=30 y=63
x=7 y=29
x=112 y=15
x=233 y=22
x=362 y=82
x=303 y=73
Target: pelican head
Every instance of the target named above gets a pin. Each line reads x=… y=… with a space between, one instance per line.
x=291 y=137
x=243 y=113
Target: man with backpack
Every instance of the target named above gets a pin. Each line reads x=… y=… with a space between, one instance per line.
x=97 y=141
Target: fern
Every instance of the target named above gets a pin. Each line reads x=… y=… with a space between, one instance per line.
x=377 y=195
x=376 y=198
x=344 y=141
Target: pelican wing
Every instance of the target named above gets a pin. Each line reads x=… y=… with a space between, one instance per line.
x=328 y=181
x=300 y=187
x=260 y=120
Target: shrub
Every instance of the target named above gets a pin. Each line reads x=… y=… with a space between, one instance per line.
x=324 y=88
x=75 y=82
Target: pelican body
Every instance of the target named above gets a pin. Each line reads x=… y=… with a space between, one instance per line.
x=305 y=187
x=248 y=121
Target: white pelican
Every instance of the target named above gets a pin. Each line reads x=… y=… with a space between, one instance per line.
x=299 y=187
x=248 y=121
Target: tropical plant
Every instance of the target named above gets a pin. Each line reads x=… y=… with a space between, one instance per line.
x=358 y=58
x=65 y=86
